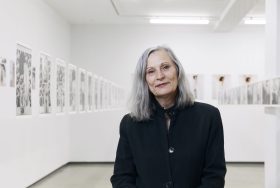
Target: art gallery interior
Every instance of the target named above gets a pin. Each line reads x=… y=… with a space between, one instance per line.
x=105 y=38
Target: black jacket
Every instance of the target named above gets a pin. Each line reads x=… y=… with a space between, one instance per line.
x=188 y=155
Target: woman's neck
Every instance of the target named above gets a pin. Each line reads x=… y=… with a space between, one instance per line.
x=166 y=102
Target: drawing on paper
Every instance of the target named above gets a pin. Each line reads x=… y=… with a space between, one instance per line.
x=219 y=83
x=275 y=91
x=33 y=77
x=89 y=91
x=82 y=90
x=45 y=84
x=60 y=86
x=72 y=75
x=3 y=71
x=23 y=81
x=196 y=82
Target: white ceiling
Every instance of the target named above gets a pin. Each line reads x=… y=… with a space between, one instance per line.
x=225 y=14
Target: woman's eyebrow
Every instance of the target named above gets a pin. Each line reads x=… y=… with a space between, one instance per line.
x=149 y=67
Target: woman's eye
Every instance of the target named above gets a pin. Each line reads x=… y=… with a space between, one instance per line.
x=166 y=67
x=150 y=71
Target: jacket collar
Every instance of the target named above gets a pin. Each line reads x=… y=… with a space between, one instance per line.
x=159 y=110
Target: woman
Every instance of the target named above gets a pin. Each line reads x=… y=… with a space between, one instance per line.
x=168 y=140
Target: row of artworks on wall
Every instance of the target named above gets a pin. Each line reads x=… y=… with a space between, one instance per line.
x=220 y=82
x=266 y=92
x=85 y=92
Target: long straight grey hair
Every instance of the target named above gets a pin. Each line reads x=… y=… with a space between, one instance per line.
x=140 y=102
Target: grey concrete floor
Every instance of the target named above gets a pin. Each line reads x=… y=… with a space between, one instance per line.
x=95 y=175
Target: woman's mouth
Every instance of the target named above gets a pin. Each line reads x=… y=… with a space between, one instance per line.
x=161 y=85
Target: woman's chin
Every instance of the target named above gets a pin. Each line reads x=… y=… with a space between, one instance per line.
x=164 y=94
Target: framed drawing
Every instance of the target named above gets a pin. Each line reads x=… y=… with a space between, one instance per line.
x=257 y=93
x=89 y=91
x=82 y=90
x=45 y=84
x=72 y=87
x=95 y=93
x=220 y=82
x=266 y=94
x=275 y=91
x=23 y=80
x=3 y=71
x=33 y=77
x=60 y=86
x=101 y=93
x=243 y=95
x=196 y=82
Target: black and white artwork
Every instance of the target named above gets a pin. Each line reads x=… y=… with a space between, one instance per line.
x=219 y=83
x=72 y=75
x=113 y=90
x=110 y=105
x=250 y=94
x=82 y=90
x=243 y=95
x=3 y=71
x=227 y=97
x=89 y=91
x=95 y=92
x=33 y=77
x=60 y=86
x=275 y=91
x=120 y=95
x=221 y=97
x=23 y=81
x=105 y=94
x=196 y=82
x=45 y=84
x=246 y=79
x=257 y=93
x=266 y=85
x=101 y=93
x=238 y=96
x=233 y=97
x=12 y=73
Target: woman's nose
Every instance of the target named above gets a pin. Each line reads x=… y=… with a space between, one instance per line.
x=159 y=75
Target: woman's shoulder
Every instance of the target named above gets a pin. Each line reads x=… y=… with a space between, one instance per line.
x=130 y=125
x=128 y=119
x=203 y=108
x=204 y=105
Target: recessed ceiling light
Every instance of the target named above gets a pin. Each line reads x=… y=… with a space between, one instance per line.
x=254 y=21
x=178 y=21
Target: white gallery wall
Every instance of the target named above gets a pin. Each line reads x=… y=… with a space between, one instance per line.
x=113 y=50
x=31 y=146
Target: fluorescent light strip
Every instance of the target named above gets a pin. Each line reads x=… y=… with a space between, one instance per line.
x=178 y=21
x=254 y=21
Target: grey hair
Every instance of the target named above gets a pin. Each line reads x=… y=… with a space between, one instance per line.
x=141 y=98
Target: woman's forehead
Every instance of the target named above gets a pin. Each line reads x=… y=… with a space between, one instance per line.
x=158 y=57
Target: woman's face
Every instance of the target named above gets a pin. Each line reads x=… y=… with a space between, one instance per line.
x=161 y=75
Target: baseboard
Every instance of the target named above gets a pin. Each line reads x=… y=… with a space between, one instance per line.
x=244 y=162
x=90 y=162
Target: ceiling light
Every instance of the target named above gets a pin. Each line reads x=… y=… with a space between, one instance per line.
x=255 y=21
x=178 y=21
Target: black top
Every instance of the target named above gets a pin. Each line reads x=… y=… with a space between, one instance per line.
x=189 y=155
